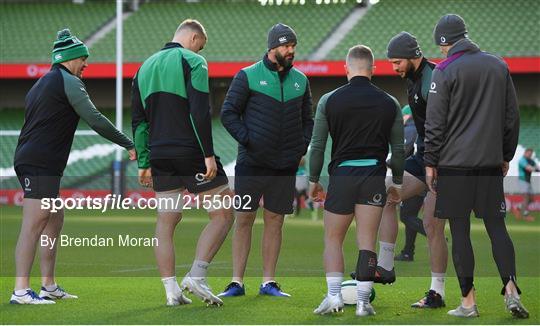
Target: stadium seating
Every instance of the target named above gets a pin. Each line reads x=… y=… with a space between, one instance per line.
x=529 y=134
x=506 y=28
x=33 y=26
x=236 y=31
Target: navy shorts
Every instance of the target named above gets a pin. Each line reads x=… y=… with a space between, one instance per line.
x=460 y=191
x=414 y=164
x=171 y=174
x=276 y=187
x=351 y=185
x=38 y=182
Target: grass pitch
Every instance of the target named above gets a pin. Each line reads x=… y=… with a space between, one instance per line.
x=121 y=285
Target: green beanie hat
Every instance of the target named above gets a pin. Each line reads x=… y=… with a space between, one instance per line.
x=67 y=47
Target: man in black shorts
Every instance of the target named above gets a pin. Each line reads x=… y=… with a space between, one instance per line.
x=53 y=108
x=173 y=138
x=268 y=111
x=472 y=129
x=362 y=121
x=408 y=61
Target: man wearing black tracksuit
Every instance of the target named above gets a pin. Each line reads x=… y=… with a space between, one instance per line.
x=472 y=129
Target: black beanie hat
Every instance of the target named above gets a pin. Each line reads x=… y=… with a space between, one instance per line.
x=403 y=46
x=280 y=34
x=450 y=29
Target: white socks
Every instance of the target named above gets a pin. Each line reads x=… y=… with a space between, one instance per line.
x=171 y=287
x=386 y=255
x=333 y=281
x=237 y=280
x=364 y=291
x=264 y=283
x=437 y=283
x=199 y=269
x=21 y=292
x=50 y=288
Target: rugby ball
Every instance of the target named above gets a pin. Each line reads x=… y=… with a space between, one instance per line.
x=349 y=294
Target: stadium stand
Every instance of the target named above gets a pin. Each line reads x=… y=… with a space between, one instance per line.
x=237 y=32
x=147 y=29
x=91 y=156
x=33 y=26
x=226 y=23
x=497 y=26
x=529 y=134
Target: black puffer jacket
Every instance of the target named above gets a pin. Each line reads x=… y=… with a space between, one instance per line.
x=269 y=114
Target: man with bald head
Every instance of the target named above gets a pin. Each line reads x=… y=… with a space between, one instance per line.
x=172 y=131
x=363 y=121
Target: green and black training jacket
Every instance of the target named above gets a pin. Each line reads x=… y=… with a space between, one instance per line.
x=170 y=106
x=269 y=113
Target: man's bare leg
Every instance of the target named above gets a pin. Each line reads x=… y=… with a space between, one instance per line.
x=438 y=248
x=335 y=229
x=271 y=243
x=48 y=255
x=242 y=243
x=168 y=219
x=215 y=232
x=34 y=221
x=388 y=228
x=164 y=251
x=210 y=241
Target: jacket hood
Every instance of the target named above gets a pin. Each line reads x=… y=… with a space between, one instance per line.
x=463 y=45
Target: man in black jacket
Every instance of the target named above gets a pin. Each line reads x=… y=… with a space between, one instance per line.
x=363 y=122
x=268 y=111
x=408 y=61
x=472 y=129
x=53 y=108
x=172 y=131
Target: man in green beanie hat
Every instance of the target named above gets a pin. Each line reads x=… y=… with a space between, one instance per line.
x=53 y=108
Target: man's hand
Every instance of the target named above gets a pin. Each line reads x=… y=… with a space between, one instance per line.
x=431 y=179
x=145 y=177
x=316 y=192
x=211 y=167
x=394 y=194
x=132 y=154
x=505 y=167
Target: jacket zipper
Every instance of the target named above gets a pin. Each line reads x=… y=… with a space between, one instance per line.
x=282 y=114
